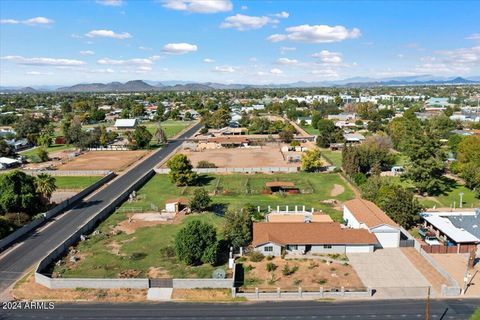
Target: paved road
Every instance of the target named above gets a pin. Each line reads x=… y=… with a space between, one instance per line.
x=14 y=263
x=387 y=309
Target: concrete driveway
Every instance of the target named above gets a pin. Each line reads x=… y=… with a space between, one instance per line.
x=389 y=272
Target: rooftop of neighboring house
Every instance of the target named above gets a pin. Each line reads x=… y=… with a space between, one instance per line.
x=460 y=226
x=283 y=233
x=368 y=213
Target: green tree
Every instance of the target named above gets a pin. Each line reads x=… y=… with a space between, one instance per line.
x=42 y=154
x=312 y=160
x=45 y=186
x=237 y=228
x=400 y=204
x=19 y=193
x=200 y=201
x=194 y=241
x=181 y=172
x=140 y=138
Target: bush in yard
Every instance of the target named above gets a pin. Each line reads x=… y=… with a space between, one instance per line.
x=181 y=170
x=256 y=256
x=312 y=160
x=205 y=164
x=287 y=271
x=211 y=254
x=193 y=242
x=42 y=154
x=200 y=201
x=270 y=267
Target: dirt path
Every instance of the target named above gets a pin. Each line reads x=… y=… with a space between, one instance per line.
x=355 y=190
x=337 y=190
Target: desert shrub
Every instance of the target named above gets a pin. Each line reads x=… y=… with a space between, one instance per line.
x=297 y=282
x=271 y=267
x=256 y=256
x=321 y=281
x=205 y=164
x=270 y=258
x=287 y=271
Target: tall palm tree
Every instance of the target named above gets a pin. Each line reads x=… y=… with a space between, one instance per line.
x=45 y=185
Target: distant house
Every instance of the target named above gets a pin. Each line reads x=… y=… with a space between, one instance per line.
x=126 y=124
x=364 y=214
x=18 y=145
x=353 y=137
x=271 y=238
x=342 y=116
x=308 y=120
x=7 y=163
x=177 y=205
x=437 y=102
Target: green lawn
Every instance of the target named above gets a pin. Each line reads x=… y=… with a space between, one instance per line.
x=310 y=130
x=75 y=182
x=147 y=247
x=236 y=190
x=32 y=153
x=476 y=315
x=171 y=127
x=334 y=156
x=447 y=199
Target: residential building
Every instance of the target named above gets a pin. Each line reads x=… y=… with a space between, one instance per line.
x=126 y=124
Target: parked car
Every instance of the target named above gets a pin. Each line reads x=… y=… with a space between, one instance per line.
x=432 y=241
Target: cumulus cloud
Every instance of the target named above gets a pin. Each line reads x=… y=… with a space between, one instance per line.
x=87 y=52
x=224 y=69
x=287 y=61
x=110 y=3
x=107 y=70
x=276 y=71
x=43 y=61
x=108 y=34
x=282 y=15
x=179 y=48
x=284 y=50
x=199 y=6
x=38 y=73
x=243 y=22
x=208 y=60
x=134 y=62
x=328 y=57
x=316 y=34
x=30 y=22
x=461 y=60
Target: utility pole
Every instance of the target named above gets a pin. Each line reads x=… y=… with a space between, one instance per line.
x=427 y=307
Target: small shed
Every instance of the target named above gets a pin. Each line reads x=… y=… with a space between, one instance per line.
x=176 y=205
x=284 y=186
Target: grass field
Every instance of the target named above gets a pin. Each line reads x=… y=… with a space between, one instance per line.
x=171 y=127
x=334 y=156
x=310 y=130
x=446 y=200
x=32 y=153
x=75 y=182
x=236 y=190
x=147 y=247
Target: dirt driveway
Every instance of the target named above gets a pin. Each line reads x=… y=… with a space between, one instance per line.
x=389 y=272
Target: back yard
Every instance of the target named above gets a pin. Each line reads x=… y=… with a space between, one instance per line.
x=171 y=127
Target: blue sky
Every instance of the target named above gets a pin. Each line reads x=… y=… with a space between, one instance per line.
x=68 y=42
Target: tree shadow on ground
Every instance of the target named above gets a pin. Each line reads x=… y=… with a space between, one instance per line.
x=204 y=180
x=219 y=209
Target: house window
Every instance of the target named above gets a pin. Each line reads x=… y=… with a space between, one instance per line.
x=268 y=249
x=327 y=246
x=293 y=247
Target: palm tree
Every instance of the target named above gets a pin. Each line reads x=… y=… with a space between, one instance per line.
x=45 y=185
x=160 y=135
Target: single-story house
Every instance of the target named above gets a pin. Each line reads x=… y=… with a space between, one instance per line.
x=364 y=214
x=315 y=237
x=123 y=124
x=18 y=145
x=354 y=137
x=224 y=142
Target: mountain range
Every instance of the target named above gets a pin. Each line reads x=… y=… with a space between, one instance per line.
x=148 y=85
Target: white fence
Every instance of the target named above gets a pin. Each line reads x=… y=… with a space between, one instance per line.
x=69 y=172
x=110 y=148
x=236 y=170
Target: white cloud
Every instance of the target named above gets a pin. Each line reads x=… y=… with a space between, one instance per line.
x=475 y=36
x=145 y=48
x=107 y=70
x=144 y=68
x=179 y=48
x=243 y=22
x=110 y=3
x=284 y=50
x=224 y=69
x=208 y=60
x=38 y=73
x=282 y=15
x=328 y=57
x=244 y=7
x=135 y=62
x=461 y=60
x=87 y=52
x=276 y=71
x=43 y=61
x=31 y=22
x=108 y=34
x=316 y=34
x=287 y=61
x=199 y=6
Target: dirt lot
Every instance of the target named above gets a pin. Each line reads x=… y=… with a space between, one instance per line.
x=266 y=156
x=27 y=289
x=214 y=295
x=310 y=273
x=103 y=160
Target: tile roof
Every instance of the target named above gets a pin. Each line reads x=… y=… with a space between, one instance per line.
x=314 y=233
x=368 y=213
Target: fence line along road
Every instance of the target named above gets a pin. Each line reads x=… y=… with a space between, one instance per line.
x=21 y=258
x=236 y=170
x=68 y=172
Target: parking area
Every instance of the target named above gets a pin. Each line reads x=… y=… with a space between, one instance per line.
x=389 y=268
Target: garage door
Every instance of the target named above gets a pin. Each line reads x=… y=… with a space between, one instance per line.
x=388 y=239
x=357 y=249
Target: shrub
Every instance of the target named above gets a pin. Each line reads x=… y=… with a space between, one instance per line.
x=256 y=256
x=247 y=268
x=205 y=164
x=297 y=282
x=287 y=271
x=271 y=267
x=321 y=281
x=167 y=252
x=270 y=258
x=137 y=256
x=312 y=265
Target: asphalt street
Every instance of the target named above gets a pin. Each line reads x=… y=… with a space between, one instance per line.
x=387 y=309
x=17 y=261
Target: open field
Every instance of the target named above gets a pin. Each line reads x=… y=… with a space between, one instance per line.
x=311 y=274
x=103 y=160
x=148 y=252
x=75 y=182
x=171 y=127
x=334 y=156
x=310 y=130
x=236 y=190
x=266 y=156
x=452 y=195
x=31 y=154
